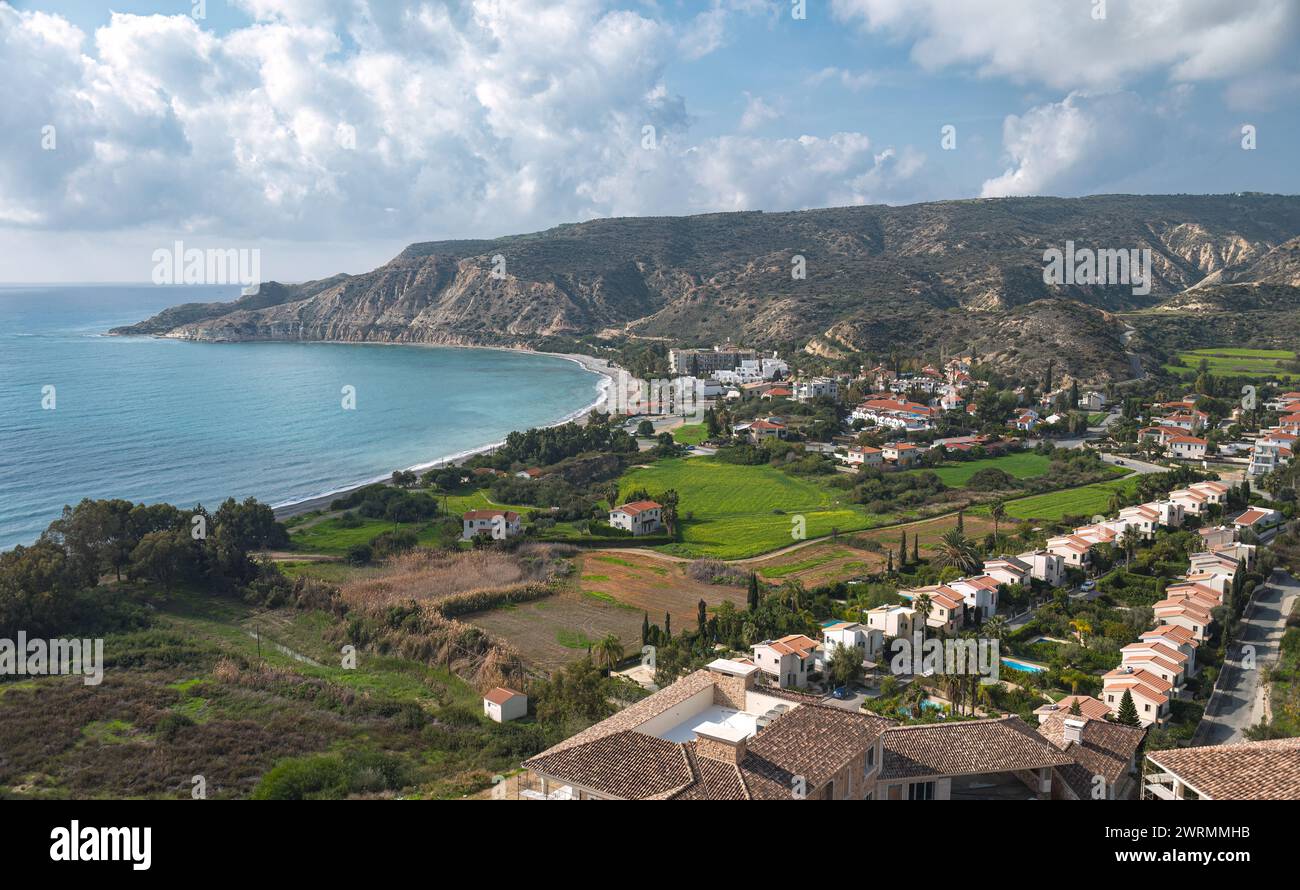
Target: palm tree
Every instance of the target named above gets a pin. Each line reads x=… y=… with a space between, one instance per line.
x=1128 y=540
x=609 y=651
x=956 y=550
x=995 y=627
x=922 y=605
x=997 y=510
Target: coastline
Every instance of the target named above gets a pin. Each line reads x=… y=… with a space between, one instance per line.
x=603 y=368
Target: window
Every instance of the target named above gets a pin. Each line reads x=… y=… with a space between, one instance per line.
x=920 y=791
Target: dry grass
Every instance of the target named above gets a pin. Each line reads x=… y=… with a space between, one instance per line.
x=429 y=576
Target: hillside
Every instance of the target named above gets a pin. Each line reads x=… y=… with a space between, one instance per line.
x=927 y=275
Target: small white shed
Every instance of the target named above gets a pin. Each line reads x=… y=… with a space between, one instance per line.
x=502 y=704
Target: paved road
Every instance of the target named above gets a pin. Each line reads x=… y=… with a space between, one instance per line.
x=1238 y=701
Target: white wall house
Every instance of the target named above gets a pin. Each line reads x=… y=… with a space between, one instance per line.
x=789 y=660
x=1045 y=566
x=638 y=517
x=497 y=524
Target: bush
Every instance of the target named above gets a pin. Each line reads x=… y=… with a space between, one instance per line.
x=360 y=554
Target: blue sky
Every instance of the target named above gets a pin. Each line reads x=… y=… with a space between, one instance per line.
x=329 y=133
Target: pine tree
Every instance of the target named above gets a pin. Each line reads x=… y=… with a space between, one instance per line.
x=1075 y=709
x=1128 y=712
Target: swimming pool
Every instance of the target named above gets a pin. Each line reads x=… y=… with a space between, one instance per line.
x=1022 y=666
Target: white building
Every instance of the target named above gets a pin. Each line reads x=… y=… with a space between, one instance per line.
x=1045 y=565
x=816 y=388
x=497 y=524
x=866 y=640
x=638 y=517
x=892 y=621
x=789 y=660
x=503 y=705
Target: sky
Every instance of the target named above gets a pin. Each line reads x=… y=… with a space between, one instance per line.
x=328 y=134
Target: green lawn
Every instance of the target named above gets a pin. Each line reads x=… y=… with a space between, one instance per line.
x=690 y=434
x=1236 y=362
x=1025 y=465
x=741 y=511
x=329 y=536
x=1088 y=500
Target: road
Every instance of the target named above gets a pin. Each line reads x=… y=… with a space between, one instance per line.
x=1238 y=700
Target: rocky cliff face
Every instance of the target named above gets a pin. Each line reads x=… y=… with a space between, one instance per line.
x=874 y=278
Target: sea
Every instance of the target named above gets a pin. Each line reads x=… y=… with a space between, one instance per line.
x=86 y=415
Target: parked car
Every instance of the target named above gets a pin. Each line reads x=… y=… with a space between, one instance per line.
x=842 y=692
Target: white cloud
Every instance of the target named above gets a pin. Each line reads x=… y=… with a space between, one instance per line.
x=473 y=118
x=1062 y=45
x=757 y=112
x=1078 y=145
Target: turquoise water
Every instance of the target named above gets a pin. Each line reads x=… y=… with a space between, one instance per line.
x=161 y=420
x=1021 y=666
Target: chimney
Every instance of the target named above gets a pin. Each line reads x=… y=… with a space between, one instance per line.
x=732 y=680
x=1074 y=730
x=717 y=741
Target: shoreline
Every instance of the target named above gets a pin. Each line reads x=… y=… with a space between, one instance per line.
x=603 y=368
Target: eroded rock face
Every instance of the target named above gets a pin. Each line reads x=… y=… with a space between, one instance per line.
x=876 y=277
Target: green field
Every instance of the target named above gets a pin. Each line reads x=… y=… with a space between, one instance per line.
x=690 y=434
x=1235 y=362
x=329 y=536
x=741 y=511
x=1088 y=500
x=1026 y=465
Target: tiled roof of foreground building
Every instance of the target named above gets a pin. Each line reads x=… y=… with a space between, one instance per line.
x=966 y=747
x=1246 y=771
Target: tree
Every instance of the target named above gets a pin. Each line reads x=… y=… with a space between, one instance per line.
x=902 y=551
x=645 y=429
x=1128 y=712
x=668 y=626
x=751 y=600
x=997 y=510
x=609 y=651
x=961 y=522
x=922 y=604
x=159 y=557
x=670 y=501
x=1075 y=709
x=956 y=550
x=845 y=666
x=645 y=629
x=702 y=615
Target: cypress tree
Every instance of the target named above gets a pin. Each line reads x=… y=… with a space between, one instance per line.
x=702 y=615
x=902 y=550
x=890 y=567
x=916 y=548
x=1128 y=712
x=645 y=629
x=668 y=626
x=752 y=599
x=1075 y=709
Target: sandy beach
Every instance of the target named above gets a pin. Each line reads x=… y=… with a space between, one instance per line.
x=606 y=369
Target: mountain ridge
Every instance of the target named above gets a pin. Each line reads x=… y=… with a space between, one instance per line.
x=877 y=277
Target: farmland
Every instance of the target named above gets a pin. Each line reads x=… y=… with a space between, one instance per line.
x=1087 y=500
x=1025 y=465
x=1263 y=364
x=738 y=511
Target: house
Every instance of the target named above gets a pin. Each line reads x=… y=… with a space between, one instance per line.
x=1262 y=521
x=1092 y=401
x=1176 y=637
x=531 y=473
x=1150 y=693
x=503 y=705
x=778 y=392
x=937 y=761
x=1268 y=770
x=758 y=430
x=789 y=659
x=904 y=454
x=1073 y=550
x=497 y=524
x=816 y=388
x=864 y=456
x=1157 y=658
x=1104 y=756
x=1191 y=421
x=1189 y=614
x=1045 y=566
x=638 y=517
x=868 y=641
x=947 y=609
x=1186 y=447
x=979 y=594
x=716 y=735
x=1092 y=708
x=1008 y=570
x=892 y=621
x=1025 y=420
x=895 y=413
x=1220 y=536
x=1200 y=495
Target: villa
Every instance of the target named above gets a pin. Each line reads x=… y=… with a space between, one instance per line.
x=1044 y=565
x=892 y=621
x=868 y=641
x=496 y=524
x=1008 y=570
x=864 y=456
x=1186 y=447
x=1150 y=693
x=789 y=660
x=638 y=517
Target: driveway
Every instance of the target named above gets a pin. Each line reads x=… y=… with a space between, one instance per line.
x=1238 y=700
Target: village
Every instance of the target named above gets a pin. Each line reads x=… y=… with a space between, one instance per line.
x=826 y=714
